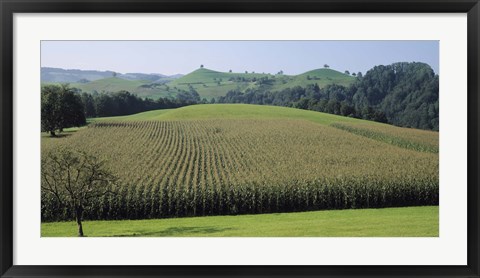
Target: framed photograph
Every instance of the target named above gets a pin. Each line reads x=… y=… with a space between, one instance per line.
x=239 y=138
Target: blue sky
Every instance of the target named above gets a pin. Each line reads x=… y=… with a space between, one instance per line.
x=293 y=57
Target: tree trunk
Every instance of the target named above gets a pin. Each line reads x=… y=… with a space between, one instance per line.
x=52 y=133
x=79 y=213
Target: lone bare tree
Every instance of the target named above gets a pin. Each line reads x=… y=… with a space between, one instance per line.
x=75 y=178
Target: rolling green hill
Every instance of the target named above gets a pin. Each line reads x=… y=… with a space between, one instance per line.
x=111 y=84
x=213 y=84
x=207 y=76
x=235 y=111
x=141 y=88
x=209 y=83
x=321 y=77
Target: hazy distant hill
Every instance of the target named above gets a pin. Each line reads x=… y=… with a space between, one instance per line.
x=57 y=75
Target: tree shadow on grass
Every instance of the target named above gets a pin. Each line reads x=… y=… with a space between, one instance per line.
x=178 y=231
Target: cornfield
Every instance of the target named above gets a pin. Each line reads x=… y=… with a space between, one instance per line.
x=414 y=139
x=244 y=166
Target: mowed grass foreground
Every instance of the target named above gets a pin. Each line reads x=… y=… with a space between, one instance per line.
x=248 y=159
x=388 y=222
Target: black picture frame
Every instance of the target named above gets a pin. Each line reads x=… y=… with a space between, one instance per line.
x=9 y=7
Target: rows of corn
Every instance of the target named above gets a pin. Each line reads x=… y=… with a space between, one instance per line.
x=413 y=139
x=222 y=167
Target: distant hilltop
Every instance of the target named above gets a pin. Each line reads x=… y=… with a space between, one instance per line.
x=59 y=75
x=207 y=82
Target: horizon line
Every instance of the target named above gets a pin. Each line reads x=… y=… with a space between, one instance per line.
x=251 y=72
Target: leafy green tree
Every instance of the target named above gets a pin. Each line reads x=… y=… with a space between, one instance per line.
x=326 y=66
x=89 y=105
x=75 y=179
x=302 y=103
x=346 y=109
x=60 y=108
x=51 y=117
x=105 y=106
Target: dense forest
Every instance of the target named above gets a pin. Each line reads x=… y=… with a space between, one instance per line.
x=402 y=94
x=110 y=104
x=125 y=103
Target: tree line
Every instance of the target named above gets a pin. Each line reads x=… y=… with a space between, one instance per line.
x=402 y=94
x=63 y=107
x=125 y=103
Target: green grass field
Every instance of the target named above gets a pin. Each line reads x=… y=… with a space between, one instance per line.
x=389 y=222
x=236 y=111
